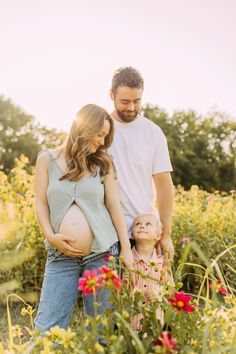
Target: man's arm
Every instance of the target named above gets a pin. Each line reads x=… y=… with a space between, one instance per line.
x=165 y=196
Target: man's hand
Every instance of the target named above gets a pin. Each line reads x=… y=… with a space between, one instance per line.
x=167 y=246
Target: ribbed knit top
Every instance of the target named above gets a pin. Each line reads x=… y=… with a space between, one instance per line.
x=88 y=194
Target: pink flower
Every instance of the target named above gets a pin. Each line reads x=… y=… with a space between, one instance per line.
x=166 y=341
x=110 y=276
x=180 y=302
x=185 y=240
x=89 y=282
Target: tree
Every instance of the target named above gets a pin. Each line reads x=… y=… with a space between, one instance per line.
x=19 y=134
x=202 y=149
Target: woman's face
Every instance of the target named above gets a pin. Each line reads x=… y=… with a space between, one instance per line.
x=98 y=140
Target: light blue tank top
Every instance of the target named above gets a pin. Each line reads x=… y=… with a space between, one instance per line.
x=88 y=194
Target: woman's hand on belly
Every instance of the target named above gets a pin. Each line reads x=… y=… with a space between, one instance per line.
x=75 y=225
x=65 y=244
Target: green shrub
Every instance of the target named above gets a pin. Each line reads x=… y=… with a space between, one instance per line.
x=201 y=217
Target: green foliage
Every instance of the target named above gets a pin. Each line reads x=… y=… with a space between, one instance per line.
x=202 y=149
x=19 y=134
x=209 y=221
x=210 y=328
x=22 y=248
x=206 y=220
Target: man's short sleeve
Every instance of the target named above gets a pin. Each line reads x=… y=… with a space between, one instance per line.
x=161 y=157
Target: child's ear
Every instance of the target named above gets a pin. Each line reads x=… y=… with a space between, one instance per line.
x=158 y=236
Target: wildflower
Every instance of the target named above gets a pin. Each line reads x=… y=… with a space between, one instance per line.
x=67 y=339
x=110 y=276
x=166 y=341
x=16 y=331
x=137 y=292
x=125 y=315
x=30 y=310
x=109 y=258
x=229 y=299
x=185 y=240
x=113 y=338
x=89 y=282
x=220 y=288
x=180 y=302
x=23 y=312
x=98 y=348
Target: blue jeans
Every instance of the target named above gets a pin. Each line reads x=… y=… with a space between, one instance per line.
x=59 y=290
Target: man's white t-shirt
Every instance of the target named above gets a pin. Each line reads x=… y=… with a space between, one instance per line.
x=139 y=150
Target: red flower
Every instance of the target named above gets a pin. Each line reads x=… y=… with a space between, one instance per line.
x=89 y=282
x=180 y=302
x=220 y=288
x=166 y=341
x=109 y=257
x=110 y=276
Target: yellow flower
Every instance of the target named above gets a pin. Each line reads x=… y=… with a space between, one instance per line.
x=67 y=337
x=30 y=310
x=113 y=338
x=23 y=311
x=137 y=291
x=125 y=315
x=16 y=331
x=2 y=351
x=98 y=348
x=87 y=322
x=229 y=299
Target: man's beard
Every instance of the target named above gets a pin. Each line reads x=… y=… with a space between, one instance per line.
x=127 y=116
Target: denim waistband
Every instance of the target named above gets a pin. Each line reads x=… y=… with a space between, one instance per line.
x=113 y=250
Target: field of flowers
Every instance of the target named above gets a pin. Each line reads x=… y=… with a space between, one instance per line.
x=200 y=312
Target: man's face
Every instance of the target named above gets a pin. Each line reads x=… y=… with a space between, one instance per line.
x=127 y=102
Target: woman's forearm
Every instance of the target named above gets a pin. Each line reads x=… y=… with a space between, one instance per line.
x=120 y=226
x=43 y=218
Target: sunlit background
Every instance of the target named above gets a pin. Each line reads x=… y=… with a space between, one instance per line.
x=57 y=55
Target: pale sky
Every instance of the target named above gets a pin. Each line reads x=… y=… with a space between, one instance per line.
x=57 y=55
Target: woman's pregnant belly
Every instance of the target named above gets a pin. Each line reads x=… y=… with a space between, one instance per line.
x=74 y=224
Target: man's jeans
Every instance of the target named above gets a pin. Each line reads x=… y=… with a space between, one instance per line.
x=59 y=290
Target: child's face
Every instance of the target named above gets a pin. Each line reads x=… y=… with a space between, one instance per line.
x=146 y=227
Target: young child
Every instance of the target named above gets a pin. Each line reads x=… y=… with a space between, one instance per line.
x=148 y=260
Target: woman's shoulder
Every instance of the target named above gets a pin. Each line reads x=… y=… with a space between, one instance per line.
x=47 y=154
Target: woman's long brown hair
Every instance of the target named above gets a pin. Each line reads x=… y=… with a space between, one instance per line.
x=88 y=123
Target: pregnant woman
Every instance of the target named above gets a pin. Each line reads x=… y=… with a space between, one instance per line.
x=78 y=210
